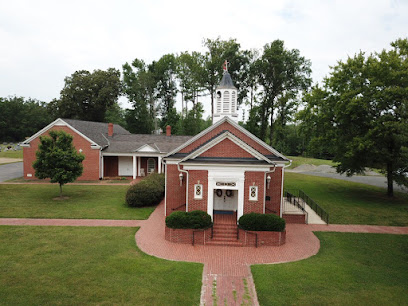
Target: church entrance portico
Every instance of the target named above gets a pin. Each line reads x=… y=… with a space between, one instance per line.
x=225 y=192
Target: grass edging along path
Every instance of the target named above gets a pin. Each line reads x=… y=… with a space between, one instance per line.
x=350 y=269
x=85 y=202
x=79 y=266
x=352 y=203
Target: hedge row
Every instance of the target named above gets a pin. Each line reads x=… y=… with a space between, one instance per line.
x=147 y=192
x=262 y=222
x=196 y=219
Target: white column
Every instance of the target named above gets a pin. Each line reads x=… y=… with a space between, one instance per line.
x=159 y=165
x=134 y=166
x=138 y=165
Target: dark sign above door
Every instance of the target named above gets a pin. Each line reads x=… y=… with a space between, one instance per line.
x=233 y=184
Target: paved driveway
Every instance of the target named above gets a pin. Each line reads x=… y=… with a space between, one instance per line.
x=379 y=181
x=10 y=171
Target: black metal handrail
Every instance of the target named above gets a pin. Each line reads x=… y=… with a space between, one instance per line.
x=179 y=206
x=270 y=210
x=256 y=235
x=200 y=230
x=293 y=194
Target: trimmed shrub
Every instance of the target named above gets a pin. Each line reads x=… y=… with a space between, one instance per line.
x=262 y=222
x=147 y=192
x=196 y=219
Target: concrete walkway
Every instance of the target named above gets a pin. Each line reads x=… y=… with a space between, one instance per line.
x=11 y=171
x=227 y=277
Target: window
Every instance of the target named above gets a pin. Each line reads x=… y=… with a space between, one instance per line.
x=218 y=102
x=233 y=104
x=253 y=193
x=151 y=165
x=198 y=191
x=226 y=103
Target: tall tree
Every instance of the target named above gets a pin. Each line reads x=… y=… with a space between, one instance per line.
x=282 y=72
x=87 y=96
x=139 y=85
x=58 y=159
x=20 y=118
x=190 y=73
x=367 y=115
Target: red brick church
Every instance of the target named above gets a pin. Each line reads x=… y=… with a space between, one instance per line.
x=225 y=169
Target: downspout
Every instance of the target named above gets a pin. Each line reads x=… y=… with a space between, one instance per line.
x=265 y=173
x=180 y=170
x=283 y=176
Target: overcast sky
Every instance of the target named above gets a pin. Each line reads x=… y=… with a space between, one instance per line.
x=41 y=42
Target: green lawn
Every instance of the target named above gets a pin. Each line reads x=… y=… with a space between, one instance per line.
x=89 y=266
x=299 y=160
x=85 y=202
x=352 y=203
x=350 y=269
x=11 y=153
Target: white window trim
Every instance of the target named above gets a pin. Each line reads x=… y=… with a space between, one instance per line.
x=255 y=198
x=154 y=165
x=198 y=197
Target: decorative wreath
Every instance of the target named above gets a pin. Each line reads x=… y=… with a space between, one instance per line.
x=228 y=193
x=218 y=192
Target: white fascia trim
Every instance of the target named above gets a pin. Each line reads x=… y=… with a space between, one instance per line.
x=137 y=154
x=146 y=146
x=60 y=122
x=209 y=167
x=234 y=139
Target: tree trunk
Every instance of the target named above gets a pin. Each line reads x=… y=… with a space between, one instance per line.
x=60 y=190
x=390 y=190
x=212 y=105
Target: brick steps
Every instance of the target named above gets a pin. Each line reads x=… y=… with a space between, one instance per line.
x=225 y=234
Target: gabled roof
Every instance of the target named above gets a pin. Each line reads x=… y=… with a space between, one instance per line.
x=273 y=156
x=122 y=140
x=95 y=132
x=226 y=135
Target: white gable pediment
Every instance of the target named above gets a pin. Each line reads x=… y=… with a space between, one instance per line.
x=146 y=148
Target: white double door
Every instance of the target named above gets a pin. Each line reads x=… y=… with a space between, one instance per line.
x=225 y=199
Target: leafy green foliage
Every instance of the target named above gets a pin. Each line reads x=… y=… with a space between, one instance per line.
x=283 y=74
x=361 y=114
x=148 y=192
x=196 y=219
x=57 y=159
x=88 y=96
x=20 y=118
x=262 y=222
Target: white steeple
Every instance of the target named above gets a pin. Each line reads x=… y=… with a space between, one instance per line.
x=225 y=98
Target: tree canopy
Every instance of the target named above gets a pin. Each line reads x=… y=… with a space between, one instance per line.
x=88 y=96
x=362 y=113
x=58 y=159
x=20 y=118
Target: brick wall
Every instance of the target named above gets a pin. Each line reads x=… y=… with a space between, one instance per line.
x=175 y=194
x=257 y=179
x=248 y=238
x=294 y=219
x=226 y=148
x=186 y=235
x=90 y=163
x=194 y=176
x=233 y=130
x=274 y=192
